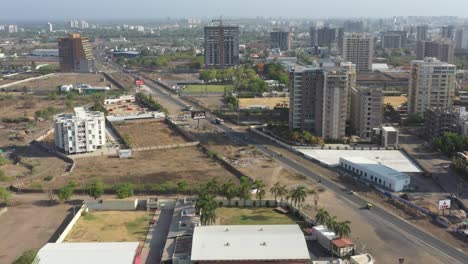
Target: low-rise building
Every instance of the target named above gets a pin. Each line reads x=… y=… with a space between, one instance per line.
x=239 y=244
x=81 y=132
x=389 y=136
x=376 y=173
x=366 y=110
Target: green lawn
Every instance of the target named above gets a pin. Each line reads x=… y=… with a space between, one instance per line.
x=206 y=88
x=253 y=216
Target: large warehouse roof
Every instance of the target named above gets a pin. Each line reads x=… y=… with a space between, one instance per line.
x=249 y=242
x=377 y=168
x=89 y=253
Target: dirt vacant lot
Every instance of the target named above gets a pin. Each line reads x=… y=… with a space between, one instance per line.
x=396 y=101
x=29 y=224
x=151 y=167
x=110 y=226
x=263 y=102
x=51 y=83
x=148 y=133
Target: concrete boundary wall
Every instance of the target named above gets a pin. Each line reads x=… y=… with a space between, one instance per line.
x=70 y=225
x=112 y=80
x=183 y=145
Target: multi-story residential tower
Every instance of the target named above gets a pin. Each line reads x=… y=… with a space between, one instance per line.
x=340 y=37
x=313 y=36
x=280 y=40
x=326 y=36
x=393 y=39
x=83 y=131
x=447 y=32
x=442 y=49
x=359 y=49
x=432 y=85
x=461 y=38
x=221 y=46
x=319 y=99
x=366 y=110
x=421 y=32
x=75 y=54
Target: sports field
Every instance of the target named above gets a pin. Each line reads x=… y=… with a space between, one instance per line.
x=207 y=88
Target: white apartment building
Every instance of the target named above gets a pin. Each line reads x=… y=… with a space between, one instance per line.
x=81 y=132
x=358 y=48
x=432 y=85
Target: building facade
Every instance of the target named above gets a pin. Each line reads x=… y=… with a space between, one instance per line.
x=319 y=99
x=440 y=121
x=221 y=46
x=326 y=36
x=461 y=38
x=421 y=32
x=432 y=85
x=447 y=32
x=75 y=54
x=359 y=49
x=393 y=39
x=442 y=49
x=366 y=110
x=280 y=40
x=81 y=132
x=376 y=173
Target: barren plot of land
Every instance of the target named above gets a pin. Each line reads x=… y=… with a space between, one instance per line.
x=152 y=167
x=122 y=78
x=268 y=102
x=111 y=226
x=144 y=133
x=52 y=82
x=252 y=216
x=395 y=101
x=29 y=224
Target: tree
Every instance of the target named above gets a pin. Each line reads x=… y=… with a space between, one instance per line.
x=182 y=186
x=342 y=229
x=5 y=195
x=96 y=189
x=206 y=206
x=124 y=190
x=322 y=216
x=298 y=196
x=259 y=185
x=65 y=193
x=212 y=187
x=331 y=223
x=244 y=189
x=228 y=190
x=274 y=190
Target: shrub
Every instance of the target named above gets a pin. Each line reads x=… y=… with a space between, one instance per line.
x=28 y=257
x=124 y=190
x=48 y=178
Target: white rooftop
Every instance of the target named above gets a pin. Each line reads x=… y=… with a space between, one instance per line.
x=377 y=167
x=249 y=242
x=89 y=253
x=394 y=159
x=389 y=128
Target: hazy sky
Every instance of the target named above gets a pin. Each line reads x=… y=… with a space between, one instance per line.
x=144 y=9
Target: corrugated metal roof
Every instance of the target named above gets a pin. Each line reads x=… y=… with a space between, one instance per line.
x=249 y=242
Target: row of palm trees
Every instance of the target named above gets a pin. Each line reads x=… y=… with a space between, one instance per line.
x=341 y=229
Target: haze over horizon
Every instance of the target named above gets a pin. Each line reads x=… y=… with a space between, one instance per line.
x=28 y=10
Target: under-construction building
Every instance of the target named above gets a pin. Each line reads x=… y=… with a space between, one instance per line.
x=75 y=54
x=221 y=46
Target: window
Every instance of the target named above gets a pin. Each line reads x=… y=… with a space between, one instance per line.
x=371 y=177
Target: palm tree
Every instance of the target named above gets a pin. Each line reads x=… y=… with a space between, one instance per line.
x=278 y=190
x=298 y=196
x=259 y=185
x=322 y=216
x=342 y=229
x=274 y=189
x=282 y=192
x=228 y=190
x=212 y=186
x=206 y=207
x=244 y=189
x=331 y=223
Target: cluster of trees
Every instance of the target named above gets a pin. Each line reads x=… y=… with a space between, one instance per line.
x=244 y=78
x=46 y=113
x=48 y=69
x=95 y=190
x=149 y=102
x=341 y=229
x=298 y=136
x=148 y=61
x=231 y=101
x=273 y=71
x=451 y=143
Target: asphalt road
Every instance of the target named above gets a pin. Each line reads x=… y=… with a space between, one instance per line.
x=396 y=228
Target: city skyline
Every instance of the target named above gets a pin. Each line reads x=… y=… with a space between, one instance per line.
x=146 y=9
